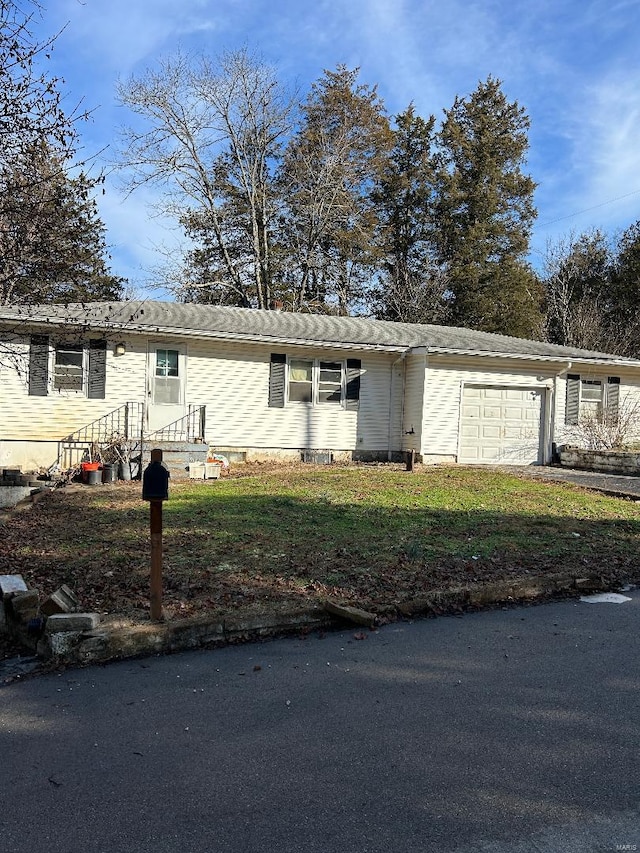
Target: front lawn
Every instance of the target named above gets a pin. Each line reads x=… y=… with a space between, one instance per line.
x=373 y=536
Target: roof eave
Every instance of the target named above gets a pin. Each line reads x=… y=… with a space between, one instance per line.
x=551 y=359
x=209 y=334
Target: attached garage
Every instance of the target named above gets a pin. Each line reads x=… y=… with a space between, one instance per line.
x=501 y=425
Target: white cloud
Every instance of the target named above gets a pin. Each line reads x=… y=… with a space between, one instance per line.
x=611 y=146
x=121 y=33
x=601 y=172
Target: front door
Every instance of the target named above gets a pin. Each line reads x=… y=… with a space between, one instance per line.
x=166 y=385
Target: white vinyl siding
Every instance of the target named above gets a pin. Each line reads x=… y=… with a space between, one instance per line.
x=414 y=388
x=51 y=417
x=233 y=381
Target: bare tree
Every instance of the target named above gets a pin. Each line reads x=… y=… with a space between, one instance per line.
x=583 y=306
x=413 y=299
x=30 y=108
x=574 y=310
x=209 y=134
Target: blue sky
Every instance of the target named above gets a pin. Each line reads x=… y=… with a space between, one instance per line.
x=574 y=65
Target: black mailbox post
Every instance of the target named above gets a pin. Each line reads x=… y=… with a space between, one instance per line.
x=155 y=489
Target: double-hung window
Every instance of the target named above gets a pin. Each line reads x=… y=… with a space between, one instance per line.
x=330 y=382
x=69 y=367
x=592 y=398
x=300 y=381
x=314 y=382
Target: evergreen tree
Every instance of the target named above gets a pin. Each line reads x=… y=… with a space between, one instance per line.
x=52 y=241
x=329 y=170
x=485 y=212
x=411 y=287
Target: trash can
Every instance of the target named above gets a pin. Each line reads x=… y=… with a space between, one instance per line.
x=94 y=477
x=125 y=471
x=109 y=473
x=87 y=468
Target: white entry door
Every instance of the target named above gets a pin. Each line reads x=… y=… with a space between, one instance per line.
x=166 y=385
x=501 y=425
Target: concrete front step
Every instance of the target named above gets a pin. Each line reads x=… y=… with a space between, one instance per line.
x=176 y=456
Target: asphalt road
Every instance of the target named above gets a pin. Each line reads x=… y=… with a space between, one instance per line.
x=513 y=730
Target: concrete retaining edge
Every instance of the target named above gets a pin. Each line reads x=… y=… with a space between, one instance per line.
x=116 y=640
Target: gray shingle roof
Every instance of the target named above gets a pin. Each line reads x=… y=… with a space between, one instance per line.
x=196 y=320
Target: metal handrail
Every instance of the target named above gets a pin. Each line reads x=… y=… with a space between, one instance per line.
x=190 y=427
x=125 y=421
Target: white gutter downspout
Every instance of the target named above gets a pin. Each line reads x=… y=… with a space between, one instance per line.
x=391 y=390
x=552 y=425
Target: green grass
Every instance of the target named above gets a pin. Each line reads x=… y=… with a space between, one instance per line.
x=372 y=535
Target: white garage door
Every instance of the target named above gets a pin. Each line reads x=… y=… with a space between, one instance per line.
x=501 y=425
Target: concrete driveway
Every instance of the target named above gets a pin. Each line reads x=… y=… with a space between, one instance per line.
x=613 y=484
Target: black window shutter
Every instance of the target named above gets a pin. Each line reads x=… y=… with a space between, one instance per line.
x=354 y=369
x=96 y=386
x=39 y=366
x=572 y=409
x=613 y=397
x=277 y=375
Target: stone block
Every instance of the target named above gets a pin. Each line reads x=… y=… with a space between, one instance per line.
x=350 y=614
x=76 y=622
x=63 y=644
x=11 y=583
x=24 y=605
x=63 y=600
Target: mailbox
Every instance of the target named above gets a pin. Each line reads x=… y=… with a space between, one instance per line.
x=155 y=481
